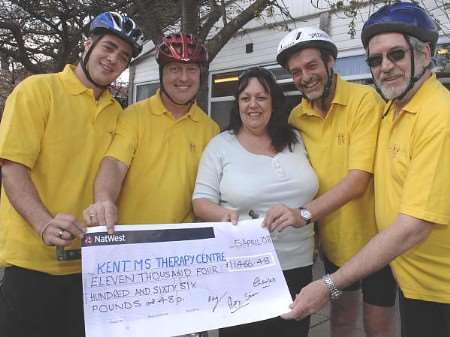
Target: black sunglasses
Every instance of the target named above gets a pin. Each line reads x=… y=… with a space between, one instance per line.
x=394 y=55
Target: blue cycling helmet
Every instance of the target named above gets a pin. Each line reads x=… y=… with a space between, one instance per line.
x=121 y=26
x=401 y=17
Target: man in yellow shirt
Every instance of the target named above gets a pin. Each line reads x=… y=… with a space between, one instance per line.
x=54 y=133
x=412 y=179
x=151 y=166
x=339 y=124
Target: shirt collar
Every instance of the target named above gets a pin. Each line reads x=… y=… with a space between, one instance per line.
x=342 y=93
x=74 y=86
x=415 y=103
x=158 y=108
x=341 y=97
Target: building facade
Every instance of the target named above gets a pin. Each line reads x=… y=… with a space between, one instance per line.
x=256 y=45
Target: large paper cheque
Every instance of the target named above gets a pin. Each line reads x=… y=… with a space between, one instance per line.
x=167 y=280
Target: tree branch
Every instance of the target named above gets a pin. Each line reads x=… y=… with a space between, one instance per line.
x=222 y=37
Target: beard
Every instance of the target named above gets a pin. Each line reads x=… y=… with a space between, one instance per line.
x=318 y=90
x=403 y=78
x=394 y=90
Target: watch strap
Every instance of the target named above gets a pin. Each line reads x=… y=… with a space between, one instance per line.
x=335 y=293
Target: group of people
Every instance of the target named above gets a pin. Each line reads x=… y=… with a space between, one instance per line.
x=371 y=174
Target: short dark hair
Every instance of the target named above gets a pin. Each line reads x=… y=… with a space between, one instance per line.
x=281 y=133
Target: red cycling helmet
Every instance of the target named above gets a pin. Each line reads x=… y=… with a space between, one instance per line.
x=181 y=47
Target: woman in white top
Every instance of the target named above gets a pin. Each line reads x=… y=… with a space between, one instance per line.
x=255 y=166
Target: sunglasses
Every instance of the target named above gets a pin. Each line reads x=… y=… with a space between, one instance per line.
x=394 y=55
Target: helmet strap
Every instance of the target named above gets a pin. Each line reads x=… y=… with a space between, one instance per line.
x=84 y=61
x=413 y=79
x=327 y=87
x=329 y=83
x=188 y=103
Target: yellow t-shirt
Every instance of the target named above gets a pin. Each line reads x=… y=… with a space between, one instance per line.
x=162 y=154
x=412 y=177
x=53 y=125
x=344 y=140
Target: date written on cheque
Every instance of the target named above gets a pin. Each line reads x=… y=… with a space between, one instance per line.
x=241 y=263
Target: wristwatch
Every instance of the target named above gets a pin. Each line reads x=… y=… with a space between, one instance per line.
x=335 y=293
x=305 y=214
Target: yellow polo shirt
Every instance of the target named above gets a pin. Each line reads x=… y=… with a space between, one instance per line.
x=53 y=125
x=344 y=140
x=412 y=177
x=162 y=154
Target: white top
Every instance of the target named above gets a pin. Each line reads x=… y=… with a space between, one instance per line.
x=232 y=177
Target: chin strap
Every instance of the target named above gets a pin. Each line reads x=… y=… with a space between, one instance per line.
x=414 y=78
x=84 y=61
x=327 y=88
x=163 y=90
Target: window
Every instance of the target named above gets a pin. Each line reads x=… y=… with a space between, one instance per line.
x=145 y=90
x=442 y=59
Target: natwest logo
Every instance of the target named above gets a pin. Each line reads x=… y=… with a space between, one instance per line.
x=109 y=238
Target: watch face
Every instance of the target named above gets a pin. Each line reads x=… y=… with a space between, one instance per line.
x=305 y=214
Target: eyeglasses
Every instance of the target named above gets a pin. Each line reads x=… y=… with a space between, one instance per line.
x=394 y=55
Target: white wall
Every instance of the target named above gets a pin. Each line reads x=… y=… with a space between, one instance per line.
x=233 y=54
x=265 y=41
x=146 y=70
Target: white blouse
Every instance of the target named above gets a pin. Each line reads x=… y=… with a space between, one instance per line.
x=232 y=177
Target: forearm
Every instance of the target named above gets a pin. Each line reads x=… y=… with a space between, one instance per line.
x=23 y=195
x=108 y=182
x=405 y=233
x=351 y=187
x=207 y=210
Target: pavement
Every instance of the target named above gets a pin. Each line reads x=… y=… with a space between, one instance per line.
x=320 y=326
x=320 y=322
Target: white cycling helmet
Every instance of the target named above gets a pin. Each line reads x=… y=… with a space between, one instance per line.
x=305 y=37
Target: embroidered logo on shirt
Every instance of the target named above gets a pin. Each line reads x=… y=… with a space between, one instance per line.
x=341 y=139
x=395 y=150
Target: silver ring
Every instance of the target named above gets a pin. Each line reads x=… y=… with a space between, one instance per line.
x=60 y=234
x=92 y=215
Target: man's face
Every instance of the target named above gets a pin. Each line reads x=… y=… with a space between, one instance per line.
x=309 y=72
x=393 y=74
x=181 y=81
x=108 y=59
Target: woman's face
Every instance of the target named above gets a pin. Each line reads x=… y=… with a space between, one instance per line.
x=255 y=107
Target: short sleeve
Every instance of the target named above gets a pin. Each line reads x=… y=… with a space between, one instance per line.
x=364 y=133
x=426 y=193
x=210 y=172
x=23 y=123
x=125 y=142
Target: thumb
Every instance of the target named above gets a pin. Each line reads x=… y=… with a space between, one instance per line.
x=234 y=217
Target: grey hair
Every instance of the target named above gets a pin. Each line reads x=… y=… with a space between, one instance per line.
x=418 y=48
x=417 y=45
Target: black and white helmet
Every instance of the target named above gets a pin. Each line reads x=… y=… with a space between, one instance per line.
x=305 y=37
